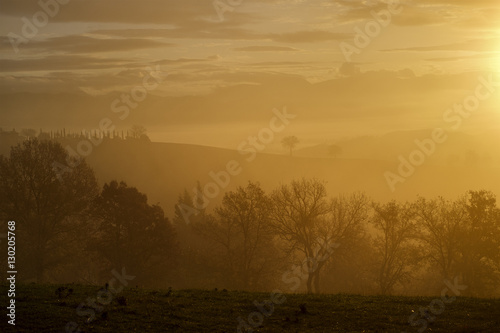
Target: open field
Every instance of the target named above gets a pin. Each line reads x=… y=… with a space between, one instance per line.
x=41 y=308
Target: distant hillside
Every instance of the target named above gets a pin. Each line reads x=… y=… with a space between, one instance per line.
x=164 y=170
x=458 y=149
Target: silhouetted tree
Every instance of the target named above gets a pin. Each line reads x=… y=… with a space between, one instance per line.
x=189 y=209
x=440 y=223
x=138 y=132
x=242 y=232
x=133 y=234
x=342 y=228
x=396 y=250
x=197 y=266
x=46 y=206
x=334 y=150
x=480 y=244
x=350 y=269
x=298 y=217
x=290 y=142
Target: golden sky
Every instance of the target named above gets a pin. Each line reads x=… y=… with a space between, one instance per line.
x=227 y=64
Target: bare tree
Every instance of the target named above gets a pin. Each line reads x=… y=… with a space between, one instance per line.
x=480 y=244
x=242 y=232
x=199 y=263
x=396 y=251
x=334 y=150
x=290 y=142
x=440 y=223
x=47 y=206
x=299 y=214
x=462 y=239
x=138 y=131
x=343 y=226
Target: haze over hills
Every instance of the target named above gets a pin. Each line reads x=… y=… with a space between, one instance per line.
x=458 y=149
x=164 y=170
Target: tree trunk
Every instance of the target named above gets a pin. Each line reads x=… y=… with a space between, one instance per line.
x=316 y=281
x=309 y=283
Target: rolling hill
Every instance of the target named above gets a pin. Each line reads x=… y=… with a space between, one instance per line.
x=164 y=170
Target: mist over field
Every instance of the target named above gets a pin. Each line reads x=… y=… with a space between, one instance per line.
x=260 y=165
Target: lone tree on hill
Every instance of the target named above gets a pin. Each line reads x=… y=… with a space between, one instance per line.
x=334 y=150
x=138 y=132
x=290 y=142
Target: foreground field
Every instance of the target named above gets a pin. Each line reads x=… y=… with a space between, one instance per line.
x=75 y=308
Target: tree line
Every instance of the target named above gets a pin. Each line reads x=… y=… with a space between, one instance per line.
x=70 y=230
